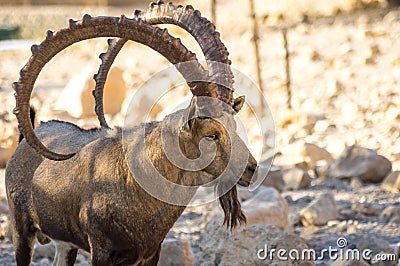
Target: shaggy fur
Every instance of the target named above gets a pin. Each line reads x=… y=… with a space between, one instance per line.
x=93 y=202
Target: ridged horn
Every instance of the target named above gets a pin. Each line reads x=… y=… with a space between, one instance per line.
x=203 y=32
x=88 y=28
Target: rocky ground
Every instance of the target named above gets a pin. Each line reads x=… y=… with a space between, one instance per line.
x=335 y=174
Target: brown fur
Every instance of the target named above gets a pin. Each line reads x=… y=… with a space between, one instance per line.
x=93 y=202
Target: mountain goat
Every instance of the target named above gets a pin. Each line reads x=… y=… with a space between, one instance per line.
x=87 y=191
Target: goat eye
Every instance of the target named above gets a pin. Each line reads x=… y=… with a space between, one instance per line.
x=212 y=137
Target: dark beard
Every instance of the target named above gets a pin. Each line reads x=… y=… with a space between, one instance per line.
x=230 y=205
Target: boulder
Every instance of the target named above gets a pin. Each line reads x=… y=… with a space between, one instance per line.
x=296 y=178
x=360 y=162
x=392 y=182
x=274 y=178
x=176 y=252
x=77 y=98
x=250 y=245
x=267 y=206
x=320 y=211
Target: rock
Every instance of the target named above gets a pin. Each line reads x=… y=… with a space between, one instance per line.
x=6 y=153
x=43 y=251
x=247 y=245
x=377 y=246
x=349 y=262
x=360 y=162
x=365 y=208
x=356 y=183
x=320 y=211
x=267 y=206
x=316 y=153
x=176 y=252
x=296 y=178
x=390 y=214
x=5 y=227
x=392 y=182
x=274 y=178
x=4 y=209
x=45 y=262
x=77 y=98
x=290 y=155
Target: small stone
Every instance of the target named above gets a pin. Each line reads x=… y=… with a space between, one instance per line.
x=349 y=262
x=390 y=214
x=342 y=226
x=374 y=50
x=356 y=183
x=351 y=229
x=267 y=206
x=363 y=208
x=320 y=211
x=333 y=223
x=296 y=178
x=176 y=252
x=392 y=182
x=369 y=61
x=376 y=246
x=315 y=56
x=321 y=126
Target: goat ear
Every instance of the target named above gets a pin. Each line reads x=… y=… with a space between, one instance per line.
x=238 y=103
x=191 y=116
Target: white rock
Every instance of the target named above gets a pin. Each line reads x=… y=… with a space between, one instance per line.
x=176 y=252
x=267 y=206
x=77 y=98
x=320 y=211
x=296 y=178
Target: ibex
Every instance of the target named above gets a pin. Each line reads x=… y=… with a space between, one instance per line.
x=83 y=194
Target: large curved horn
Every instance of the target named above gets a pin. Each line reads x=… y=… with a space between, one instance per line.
x=199 y=27
x=88 y=28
